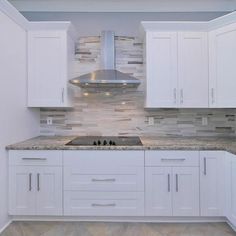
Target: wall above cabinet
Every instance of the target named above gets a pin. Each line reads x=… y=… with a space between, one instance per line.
x=124 y=5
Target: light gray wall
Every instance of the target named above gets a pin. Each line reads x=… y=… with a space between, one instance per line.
x=16 y=121
x=90 y=24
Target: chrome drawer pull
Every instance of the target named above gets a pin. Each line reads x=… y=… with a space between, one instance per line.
x=38 y=182
x=103 y=180
x=173 y=159
x=30 y=181
x=177 y=182
x=168 y=182
x=103 y=205
x=205 y=166
x=33 y=159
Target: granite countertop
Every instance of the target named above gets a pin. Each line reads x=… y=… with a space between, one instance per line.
x=149 y=143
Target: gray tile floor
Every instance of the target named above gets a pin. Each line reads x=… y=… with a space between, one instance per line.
x=116 y=229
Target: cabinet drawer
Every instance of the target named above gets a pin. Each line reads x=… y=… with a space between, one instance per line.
x=103 y=203
x=104 y=179
x=101 y=158
x=53 y=158
x=171 y=158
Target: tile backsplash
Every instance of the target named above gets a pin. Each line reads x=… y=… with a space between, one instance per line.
x=122 y=112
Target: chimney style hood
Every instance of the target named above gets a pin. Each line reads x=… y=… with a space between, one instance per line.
x=108 y=77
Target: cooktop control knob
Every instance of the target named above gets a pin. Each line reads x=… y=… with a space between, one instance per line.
x=113 y=143
x=110 y=142
x=99 y=142
x=94 y=143
x=104 y=142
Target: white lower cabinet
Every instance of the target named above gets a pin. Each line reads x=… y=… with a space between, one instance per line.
x=49 y=191
x=212 y=183
x=172 y=191
x=158 y=197
x=231 y=188
x=103 y=183
x=185 y=191
x=21 y=190
x=78 y=203
x=35 y=189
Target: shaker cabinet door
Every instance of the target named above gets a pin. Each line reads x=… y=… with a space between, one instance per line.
x=222 y=66
x=22 y=192
x=161 y=63
x=185 y=191
x=212 y=183
x=158 y=191
x=49 y=191
x=193 y=69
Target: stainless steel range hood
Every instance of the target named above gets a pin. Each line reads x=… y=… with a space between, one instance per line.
x=108 y=77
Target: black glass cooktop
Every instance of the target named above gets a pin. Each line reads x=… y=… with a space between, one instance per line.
x=106 y=141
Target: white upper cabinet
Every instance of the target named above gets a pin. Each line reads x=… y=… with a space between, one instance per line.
x=193 y=69
x=222 y=67
x=50 y=54
x=161 y=68
x=176 y=69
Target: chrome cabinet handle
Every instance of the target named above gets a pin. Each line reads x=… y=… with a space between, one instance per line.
x=30 y=181
x=177 y=182
x=181 y=96
x=103 y=205
x=175 y=96
x=33 y=159
x=168 y=182
x=173 y=159
x=62 y=95
x=103 y=180
x=205 y=166
x=38 y=182
x=212 y=96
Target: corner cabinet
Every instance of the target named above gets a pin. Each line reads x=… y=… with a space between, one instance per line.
x=222 y=67
x=50 y=58
x=176 y=69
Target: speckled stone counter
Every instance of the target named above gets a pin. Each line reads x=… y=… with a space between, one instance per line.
x=149 y=143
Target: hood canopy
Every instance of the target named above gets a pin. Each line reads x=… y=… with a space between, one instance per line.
x=108 y=77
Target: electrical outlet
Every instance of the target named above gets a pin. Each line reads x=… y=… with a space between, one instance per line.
x=150 y=120
x=49 y=120
x=204 y=120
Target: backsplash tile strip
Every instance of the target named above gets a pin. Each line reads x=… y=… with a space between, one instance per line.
x=123 y=113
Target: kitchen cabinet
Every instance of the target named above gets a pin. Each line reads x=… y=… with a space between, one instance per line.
x=112 y=186
x=231 y=188
x=50 y=58
x=158 y=199
x=176 y=69
x=212 y=187
x=35 y=188
x=21 y=196
x=172 y=183
x=186 y=191
x=222 y=66
x=193 y=69
x=161 y=69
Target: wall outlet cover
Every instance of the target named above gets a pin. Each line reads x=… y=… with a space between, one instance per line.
x=150 y=120
x=49 y=120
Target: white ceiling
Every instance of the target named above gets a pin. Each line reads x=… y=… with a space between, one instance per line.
x=124 y=5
